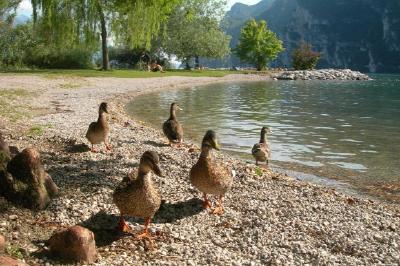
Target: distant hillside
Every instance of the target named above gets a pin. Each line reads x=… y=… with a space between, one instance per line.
x=357 y=34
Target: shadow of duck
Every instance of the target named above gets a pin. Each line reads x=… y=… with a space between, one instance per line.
x=104 y=225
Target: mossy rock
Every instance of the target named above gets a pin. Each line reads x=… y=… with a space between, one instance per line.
x=25 y=181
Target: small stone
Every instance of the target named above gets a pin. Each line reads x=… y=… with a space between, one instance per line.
x=2 y=244
x=13 y=217
x=7 y=261
x=75 y=243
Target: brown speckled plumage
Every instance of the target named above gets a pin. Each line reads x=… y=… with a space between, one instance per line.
x=207 y=175
x=139 y=197
x=172 y=128
x=261 y=151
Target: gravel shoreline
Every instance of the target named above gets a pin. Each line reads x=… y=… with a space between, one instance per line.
x=270 y=218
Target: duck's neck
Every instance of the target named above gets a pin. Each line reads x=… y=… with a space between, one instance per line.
x=144 y=178
x=172 y=114
x=102 y=117
x=205 y=152
x=263 y=137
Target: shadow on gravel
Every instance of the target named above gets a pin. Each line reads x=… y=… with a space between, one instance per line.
x=155 y=144
x=171 y=212
x=104 y=225
x=77 y=148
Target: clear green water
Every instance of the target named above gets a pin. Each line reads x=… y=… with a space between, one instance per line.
x=344 y=131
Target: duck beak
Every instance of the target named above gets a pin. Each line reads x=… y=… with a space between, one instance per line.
x=180 y=109
x=157 y=170
x=217 y=146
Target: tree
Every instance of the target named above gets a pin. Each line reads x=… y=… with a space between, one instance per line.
x=67 y=23
x=304 y=57
x=193 y=31
x=257 y=44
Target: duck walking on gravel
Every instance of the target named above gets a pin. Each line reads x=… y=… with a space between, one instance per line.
x=172 y=128
x=208 y=176
x=139 y=197
x=261 y=151
x=99 y=131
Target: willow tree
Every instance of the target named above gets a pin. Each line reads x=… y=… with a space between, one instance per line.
x=131 y=22
x=193 y=31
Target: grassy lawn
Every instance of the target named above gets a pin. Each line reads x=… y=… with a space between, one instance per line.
x=122 y=73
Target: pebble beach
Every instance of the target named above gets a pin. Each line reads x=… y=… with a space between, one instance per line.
x=269 y=219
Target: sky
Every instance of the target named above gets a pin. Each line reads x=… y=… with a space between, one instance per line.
x=26 y=8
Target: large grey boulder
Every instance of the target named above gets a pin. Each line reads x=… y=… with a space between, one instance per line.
x=23 y=180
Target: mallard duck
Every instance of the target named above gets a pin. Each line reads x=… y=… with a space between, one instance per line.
x=172 y=128
x=138 y=197
x=208 y=176
x=261 y=151
x=99 y=131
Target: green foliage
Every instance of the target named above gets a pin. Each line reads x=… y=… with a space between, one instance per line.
x=72 y=23
x=193 y=31
x=304 y=57
x=257 y=44
x=14 y=43
x=43 y=56
x=14 y=251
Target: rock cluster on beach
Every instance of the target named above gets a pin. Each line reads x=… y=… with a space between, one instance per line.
x=322 y=74
x=270 y=218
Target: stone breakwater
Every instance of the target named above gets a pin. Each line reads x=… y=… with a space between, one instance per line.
x=322 y=74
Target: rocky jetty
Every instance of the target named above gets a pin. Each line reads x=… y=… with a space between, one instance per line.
x=322 y=74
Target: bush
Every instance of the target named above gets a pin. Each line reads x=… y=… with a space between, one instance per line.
x=52 y=57
x=14 y=43
x=304 y=58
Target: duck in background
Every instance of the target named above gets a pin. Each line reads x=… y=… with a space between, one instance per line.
x=99 y=131
x=261 y=151
x=172 y=128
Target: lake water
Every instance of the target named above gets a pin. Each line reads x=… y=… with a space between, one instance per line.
x=343 y=133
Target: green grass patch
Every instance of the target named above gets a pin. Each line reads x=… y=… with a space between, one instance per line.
x=258 y=171
x=35 y=131
x=14 y=251
x=126 y=73
x=9 y=106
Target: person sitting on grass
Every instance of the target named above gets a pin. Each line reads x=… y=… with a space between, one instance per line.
x=156 y=67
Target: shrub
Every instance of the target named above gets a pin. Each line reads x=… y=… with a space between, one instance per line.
x=43 y=56
x=304 y=57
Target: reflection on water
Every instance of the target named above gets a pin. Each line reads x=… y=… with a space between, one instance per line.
x=344 y=130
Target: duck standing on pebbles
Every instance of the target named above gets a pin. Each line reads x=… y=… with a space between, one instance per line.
x=208 y=176
x=99 y=131
x=139 y=197
x=172 y=128
x=261 y=151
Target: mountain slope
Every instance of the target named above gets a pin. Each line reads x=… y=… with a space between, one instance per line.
x=357 y=34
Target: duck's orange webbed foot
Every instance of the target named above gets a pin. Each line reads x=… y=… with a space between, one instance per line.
x=123 y=226
x=219 y=210
x=108 y=147
x=206 y=202
x=93 y=149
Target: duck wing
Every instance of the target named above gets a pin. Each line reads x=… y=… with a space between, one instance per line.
x=173 y=130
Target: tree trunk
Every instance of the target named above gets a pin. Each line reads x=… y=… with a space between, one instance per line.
x=187 y=67
x=104 y=48
x=196 y=62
